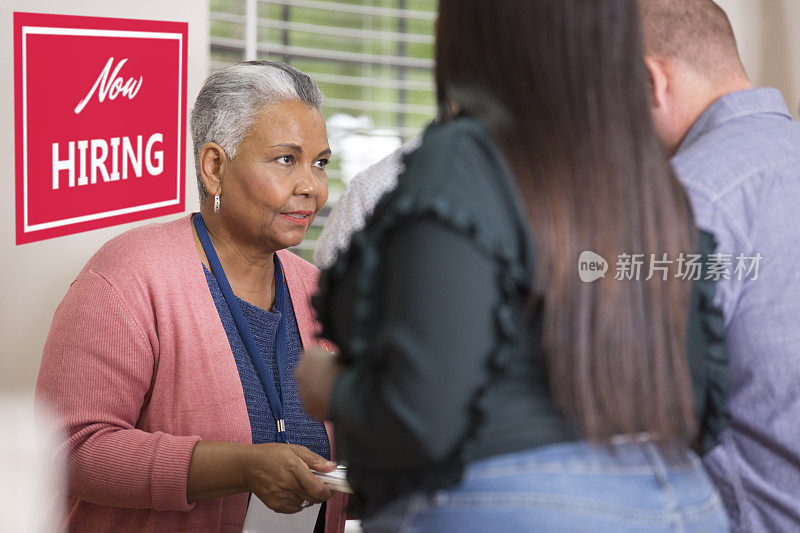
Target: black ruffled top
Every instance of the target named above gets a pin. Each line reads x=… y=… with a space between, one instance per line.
x=429 y=307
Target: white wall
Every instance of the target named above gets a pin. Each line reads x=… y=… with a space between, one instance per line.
x=34 y=277
x=768 y=33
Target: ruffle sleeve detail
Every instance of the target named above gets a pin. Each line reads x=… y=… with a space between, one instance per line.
x=513 y=282
x=714 y=414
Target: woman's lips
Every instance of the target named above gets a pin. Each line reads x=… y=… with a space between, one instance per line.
x=297 y=217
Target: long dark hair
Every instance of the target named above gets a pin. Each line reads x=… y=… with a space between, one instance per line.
x=562 y=87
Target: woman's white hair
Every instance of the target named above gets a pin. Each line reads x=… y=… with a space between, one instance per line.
x=232 y=96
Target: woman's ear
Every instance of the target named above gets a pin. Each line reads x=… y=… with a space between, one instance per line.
x=659 y=81
x=212 y=165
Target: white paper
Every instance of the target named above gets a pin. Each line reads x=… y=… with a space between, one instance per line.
x=262 y=519
x=336 y=480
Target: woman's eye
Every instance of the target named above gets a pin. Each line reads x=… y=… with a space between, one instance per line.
x=286 y=159
x=321 y=163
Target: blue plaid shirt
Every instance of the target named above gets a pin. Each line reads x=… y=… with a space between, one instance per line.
x=740 y=163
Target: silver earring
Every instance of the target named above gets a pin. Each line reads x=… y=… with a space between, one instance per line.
x=216 y=203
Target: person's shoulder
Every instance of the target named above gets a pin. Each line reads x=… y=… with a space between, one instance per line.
x=141 y=249
x=463 y=125
x=755 y=137
x=455 y=156
x=738 y=151
x=458 y=177
x=737 y=173
x=460 y=133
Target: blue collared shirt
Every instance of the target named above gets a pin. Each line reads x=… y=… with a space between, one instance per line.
x=740 y=163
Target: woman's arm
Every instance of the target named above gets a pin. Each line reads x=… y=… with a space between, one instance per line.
x=96 y=372
x=408 y=401
x=708 y=355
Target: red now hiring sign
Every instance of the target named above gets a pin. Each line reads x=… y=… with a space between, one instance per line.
x=100 y=107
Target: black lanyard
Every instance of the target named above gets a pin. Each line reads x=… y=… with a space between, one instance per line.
x=275 y=397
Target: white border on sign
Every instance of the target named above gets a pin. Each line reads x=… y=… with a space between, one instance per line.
x=38 y=30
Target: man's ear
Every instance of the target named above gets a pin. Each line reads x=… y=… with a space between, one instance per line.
x=659 y=80
x=212 y=165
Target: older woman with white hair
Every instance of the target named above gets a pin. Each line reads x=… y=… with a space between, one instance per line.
x=170 y=360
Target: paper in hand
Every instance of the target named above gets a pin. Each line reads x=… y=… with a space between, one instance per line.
x=336 y=480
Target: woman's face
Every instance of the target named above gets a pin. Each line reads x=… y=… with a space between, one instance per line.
x=276 y=184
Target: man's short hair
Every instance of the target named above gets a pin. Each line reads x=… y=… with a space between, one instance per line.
x=696 y=32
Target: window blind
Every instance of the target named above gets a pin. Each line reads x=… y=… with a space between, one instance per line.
x=373 y=59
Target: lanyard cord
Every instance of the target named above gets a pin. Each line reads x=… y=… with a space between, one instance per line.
x=274 y=397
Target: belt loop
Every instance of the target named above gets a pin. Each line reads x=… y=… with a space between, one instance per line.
x=657 y=462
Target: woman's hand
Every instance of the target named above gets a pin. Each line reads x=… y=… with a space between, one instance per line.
x=315 y=376
x=280 y=475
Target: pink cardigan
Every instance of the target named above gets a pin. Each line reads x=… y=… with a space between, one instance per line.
x=138 y=367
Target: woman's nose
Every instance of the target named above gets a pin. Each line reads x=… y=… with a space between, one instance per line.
x=306 y=183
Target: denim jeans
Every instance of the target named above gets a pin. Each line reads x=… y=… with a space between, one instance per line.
x=628 y=486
